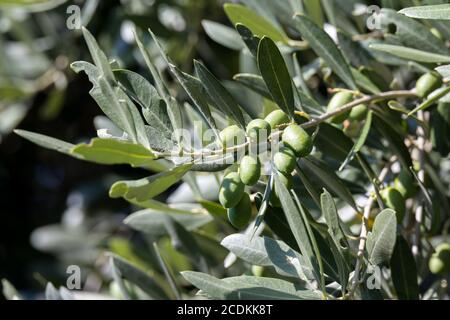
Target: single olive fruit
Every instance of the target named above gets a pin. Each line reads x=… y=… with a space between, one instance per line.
x=286 y=180
x=436 y=33
x=404 y=183
x=427 y=83
x=358 y=113
x=232 y=136
x=240 y=214
x=352 y=128
x=338 y=100
x=277 y=117
x=284 y=160
x=440 y=260
x=258 y=129
x=250 y=170
x=296 y=138
x=231 y=190
x=394 y=200
x=257 y=271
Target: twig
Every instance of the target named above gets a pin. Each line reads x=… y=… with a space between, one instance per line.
x=311 y=123
x=421 y=140
x=364 y=231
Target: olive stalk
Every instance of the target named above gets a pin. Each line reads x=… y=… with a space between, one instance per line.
x=421 y=141
x=364 y=231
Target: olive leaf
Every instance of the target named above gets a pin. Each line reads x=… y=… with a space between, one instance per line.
x=381 y=241
x=437 y=12
x=404 y=271
x=217 y=93
x=324 y=46
x=276 y=75
x=258 y=25
x=149 y=187
x=223 y=35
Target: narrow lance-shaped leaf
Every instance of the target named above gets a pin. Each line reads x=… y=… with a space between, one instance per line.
x=258 y=25
x=133 y=274
x=173 y=108
x=360 y=142
x=297 y=225
x=223 y=100
x=444 y=71
x=149 y=187
x=404 y=271
x=223 y=35
x=381 y=241
x=333 y=221
x=327 y=179
x=190 y=84
x=113 y=151
x=250 y=40
x=153 y=107
x=246 y=287
x=324 y=46
x=276 y=75
x=410 y=53
x=435 y=12
x=411 y=33
x=46 y=141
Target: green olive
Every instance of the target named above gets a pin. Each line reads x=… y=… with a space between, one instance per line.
x=239 y=215
x=277 y=117
x=286 y=180
x=284 y=160
x=440 y=260
x=405 y=184
x=338 y=100
x=352 y=129
x=257 y=271
x=296 y=138
x=427 y=83
x=231 y=190
x=249 y=170
x=257 y=129
x=232 y=136
x=358 y=113
x=394 y=200
x=436 y=33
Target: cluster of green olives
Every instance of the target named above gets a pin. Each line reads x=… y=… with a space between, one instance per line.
x=295 y=143
x=395 y=196
x=439 y=262
x=352 y=118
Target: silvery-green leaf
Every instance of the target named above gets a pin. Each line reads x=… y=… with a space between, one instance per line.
x=381 y=241
x=435 y=12
x=411 y=53
x=276 y=75
x=113 y=151
x=150 y=187
x=151 y=221
x=153 y=107
x=246 y=287
x=324 y=46
x=404 y=271
x=444 y=71
x=223 y=35
x=126 y=270
x=412 y=33
x=258 y=25
x=218 y=95
x=46 y=141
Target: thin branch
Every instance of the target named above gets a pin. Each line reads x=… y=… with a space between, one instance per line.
x=364 y=231
x=311 y=123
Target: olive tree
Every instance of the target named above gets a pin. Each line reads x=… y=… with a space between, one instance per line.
x=329 y=151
